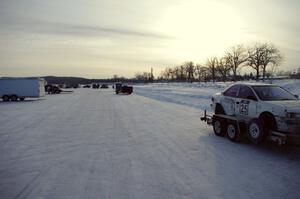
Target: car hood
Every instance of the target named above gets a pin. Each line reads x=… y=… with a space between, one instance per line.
x=289 y=105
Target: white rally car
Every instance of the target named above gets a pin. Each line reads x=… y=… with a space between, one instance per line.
x=259 y=110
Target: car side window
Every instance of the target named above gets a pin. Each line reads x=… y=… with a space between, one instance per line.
x=232 y=91
x=246 y=93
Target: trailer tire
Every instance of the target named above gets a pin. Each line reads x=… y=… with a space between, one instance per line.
x=22 y=98
x=14 y=98
x=5 y=98
x=256 y=131
x=219 y=126
x=233 y=133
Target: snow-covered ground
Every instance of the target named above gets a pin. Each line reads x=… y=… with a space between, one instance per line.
x=95 y=144
x=198 y=95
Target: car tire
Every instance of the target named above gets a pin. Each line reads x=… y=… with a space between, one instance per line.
x=269 y=123
x=233 y=133
x=256 y=131
x=5 y=98
x=219 y=126
x=14 y=98
x=219 y=109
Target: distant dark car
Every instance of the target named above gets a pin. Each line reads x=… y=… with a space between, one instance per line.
x=123 y=89
x=52 y=89
x=86 y=86
x=104 y=86
x=95 y=86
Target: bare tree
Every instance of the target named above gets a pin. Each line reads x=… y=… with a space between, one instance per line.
x=223 y=68
x=190 y=69
x=198 y=71
x=182 y=73
x=172 y=74
x=151 y=75
x=211 y=64
x=205 y=73
x=166 y=74
x=271 y=57
x=272 y=70
x=175 y=72
x=143 y=77
x=115 y=76
x=201 y=72
x=235 y=57
x=138 y=76
x=255 y=58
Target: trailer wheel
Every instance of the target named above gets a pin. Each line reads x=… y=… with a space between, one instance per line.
x=219 y=126
x=256 y=131
x=5 y=98
x=14 y=98
x=233 y=133
x=22 y=98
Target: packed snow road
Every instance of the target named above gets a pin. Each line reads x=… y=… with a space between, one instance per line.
x=95 y=144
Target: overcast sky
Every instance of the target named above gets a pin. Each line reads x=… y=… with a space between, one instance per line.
x=100 y=38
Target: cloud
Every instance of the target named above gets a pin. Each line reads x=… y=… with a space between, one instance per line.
x=58 y=28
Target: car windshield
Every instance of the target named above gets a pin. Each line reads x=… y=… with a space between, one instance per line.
x=273 y=93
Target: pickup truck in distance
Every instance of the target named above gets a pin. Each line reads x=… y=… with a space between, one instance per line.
x=260 y=110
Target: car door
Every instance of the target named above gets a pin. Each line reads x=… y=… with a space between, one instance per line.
x=228 y=100
x=245 y=103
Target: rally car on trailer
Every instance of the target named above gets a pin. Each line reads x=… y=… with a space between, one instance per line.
x=260 y=111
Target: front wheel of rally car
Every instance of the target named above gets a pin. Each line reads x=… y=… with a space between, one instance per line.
x=219 y=109
x=256 y=131
x=233 y=133
x=219 y=125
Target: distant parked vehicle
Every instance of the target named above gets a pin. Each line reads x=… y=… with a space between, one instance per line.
x=52 y=89
x=95 y=86
x=87 y=86
x=104 y=86
x=12 y=89
x=123 y=89
x=74 y=86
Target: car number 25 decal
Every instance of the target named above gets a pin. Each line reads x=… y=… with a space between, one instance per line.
x=244 y=107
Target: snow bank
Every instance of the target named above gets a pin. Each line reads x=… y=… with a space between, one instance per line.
x=197 y=94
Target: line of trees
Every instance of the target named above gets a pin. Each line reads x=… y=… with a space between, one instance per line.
x=144 y=77
x=262 y=57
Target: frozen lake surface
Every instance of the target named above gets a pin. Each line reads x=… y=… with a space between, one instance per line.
x=95 y=144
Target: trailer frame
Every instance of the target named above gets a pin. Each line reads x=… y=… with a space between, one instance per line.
x=279 y=138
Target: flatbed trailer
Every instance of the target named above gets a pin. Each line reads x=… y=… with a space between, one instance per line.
x=278 y=137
